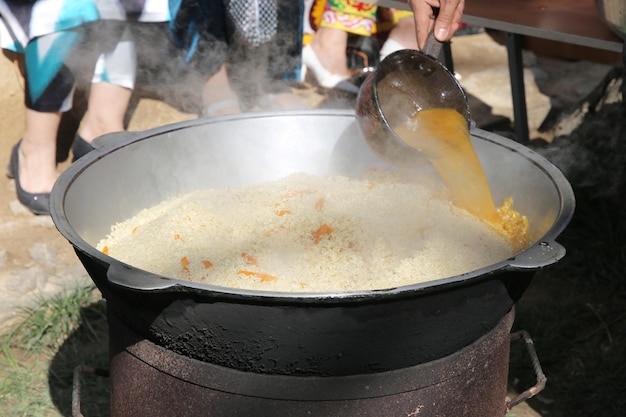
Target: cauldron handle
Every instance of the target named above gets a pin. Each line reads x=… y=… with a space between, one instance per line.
x=541 y=377
x=537 y=256
x=129 y=277
x=115 y=138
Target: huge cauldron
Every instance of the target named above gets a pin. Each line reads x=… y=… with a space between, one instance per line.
x=321 y=334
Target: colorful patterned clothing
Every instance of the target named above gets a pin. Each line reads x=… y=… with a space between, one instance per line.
x=354 y=17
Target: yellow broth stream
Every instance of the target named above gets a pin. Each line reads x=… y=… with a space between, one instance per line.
x=442 y=135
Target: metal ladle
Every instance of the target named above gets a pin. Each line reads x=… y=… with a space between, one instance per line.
x=405 y=83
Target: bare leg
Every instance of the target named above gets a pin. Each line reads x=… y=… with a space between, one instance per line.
x=217 y=95
x=107 y=108
x=404 y=33
x=329 y=44
x=37 y=156
x=402 y=36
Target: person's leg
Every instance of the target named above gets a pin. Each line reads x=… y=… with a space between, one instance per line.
x=49 y=87
x=402 y=36
x=325 y=55
x=37 y=152
x=198 y=30
x=329 y=44
x=218 y=97
x=107 y=108
x=111 y=86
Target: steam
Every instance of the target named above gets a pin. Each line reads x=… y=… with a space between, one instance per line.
x=258 y=40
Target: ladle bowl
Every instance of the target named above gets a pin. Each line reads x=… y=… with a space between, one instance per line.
x=405 y=83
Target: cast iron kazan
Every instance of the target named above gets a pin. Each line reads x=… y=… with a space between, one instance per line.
x=341 y=333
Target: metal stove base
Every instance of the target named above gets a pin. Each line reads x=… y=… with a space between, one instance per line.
x=150 y=381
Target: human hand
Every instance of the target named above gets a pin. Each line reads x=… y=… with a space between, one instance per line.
x=444 y=24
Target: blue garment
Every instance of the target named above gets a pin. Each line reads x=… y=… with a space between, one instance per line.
x=24 y=21
x=49 y=31
x=198 y=29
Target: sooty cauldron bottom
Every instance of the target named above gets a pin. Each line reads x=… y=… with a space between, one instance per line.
x=148 y=380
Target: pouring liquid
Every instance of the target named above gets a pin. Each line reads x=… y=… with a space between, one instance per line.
x=442 y=135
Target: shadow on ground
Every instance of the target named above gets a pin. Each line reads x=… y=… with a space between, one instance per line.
x=87 y=346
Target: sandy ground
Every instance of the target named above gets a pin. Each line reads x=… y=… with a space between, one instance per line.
x=36 y=261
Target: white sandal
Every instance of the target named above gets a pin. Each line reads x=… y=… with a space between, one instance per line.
x=389 y=47
x=324 y=77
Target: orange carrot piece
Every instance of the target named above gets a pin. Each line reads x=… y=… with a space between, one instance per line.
x=105 y=250
x=249 y=259
x=207 y=264
x=176 y=236
x=135 y=229
x=324 y=229
x=281 y=213
x=184 y=262
x=263 y=277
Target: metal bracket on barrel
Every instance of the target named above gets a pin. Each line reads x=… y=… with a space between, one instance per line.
x=541 y=377
x=76 y=387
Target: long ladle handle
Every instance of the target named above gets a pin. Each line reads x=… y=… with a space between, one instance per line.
x=432 y=47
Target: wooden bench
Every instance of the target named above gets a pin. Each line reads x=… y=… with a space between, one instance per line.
x=570 y=22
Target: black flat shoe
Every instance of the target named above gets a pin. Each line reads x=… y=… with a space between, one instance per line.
x=80 y=148
x=37 y=203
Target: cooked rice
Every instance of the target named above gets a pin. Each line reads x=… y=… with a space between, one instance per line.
x=309 y=233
